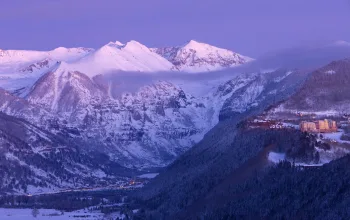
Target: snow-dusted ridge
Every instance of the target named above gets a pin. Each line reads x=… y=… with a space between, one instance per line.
x=19 y=69
x=136 y=57
x=30 y=56
x=201 y=57
x=115 y=56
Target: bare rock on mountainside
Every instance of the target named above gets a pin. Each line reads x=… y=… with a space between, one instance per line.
x=201 y=57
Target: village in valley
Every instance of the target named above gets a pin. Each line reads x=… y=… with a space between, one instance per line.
x=331 y=129
x=305 y=122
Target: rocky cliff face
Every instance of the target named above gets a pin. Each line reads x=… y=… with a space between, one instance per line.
x=147 y=128
x=153 y=125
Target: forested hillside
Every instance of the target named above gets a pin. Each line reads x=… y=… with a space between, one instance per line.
x=288 y=192
x=194 y=181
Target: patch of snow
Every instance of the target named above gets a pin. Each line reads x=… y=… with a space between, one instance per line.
x=10 y=156
x=99 y=173
x=52 y=214
x=267 y=70
x=330 y=72
x=310 y=165
x=281 y=108
x=276 y=157
x=279 y=79
x=290 y=125
x=149 y=175
x=335 y=136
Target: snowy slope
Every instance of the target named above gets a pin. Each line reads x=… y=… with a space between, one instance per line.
x=129 y=57
x=20 y=57
x=19 y=69
x=201 y=57
x=156 y=123
x=64 y=90
x=147 y=128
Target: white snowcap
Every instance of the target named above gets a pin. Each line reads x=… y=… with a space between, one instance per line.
x=119 y=43
x=135 y=45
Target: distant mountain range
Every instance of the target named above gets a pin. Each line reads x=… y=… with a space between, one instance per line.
x=25 y=67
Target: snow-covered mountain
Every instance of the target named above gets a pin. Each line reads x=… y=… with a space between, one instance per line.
x=63 y=90
x=89 y=102
x=147 y=128
x=19 y=69
x=115 y=56
x=153 y=125
x=8 y=57
x=201 y=57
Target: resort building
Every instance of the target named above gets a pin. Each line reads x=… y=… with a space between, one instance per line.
x=323 y=126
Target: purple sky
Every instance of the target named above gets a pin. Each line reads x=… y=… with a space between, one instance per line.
x=250 y=27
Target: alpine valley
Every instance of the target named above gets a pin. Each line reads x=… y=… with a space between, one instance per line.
x=100 y=116
x=78 y=117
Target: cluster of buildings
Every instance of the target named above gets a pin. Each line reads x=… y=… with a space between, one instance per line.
x=271 y=124
x=322 y=126
x=262 y=123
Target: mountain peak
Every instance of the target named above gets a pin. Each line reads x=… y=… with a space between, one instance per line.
x=192 y=43
x=60 y=49
x=118 y=57
x=199 y=46
x=119 y=43
x=201 y=57
x=131 y=45
x=135 y=45
x=116 y=44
